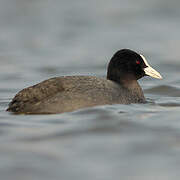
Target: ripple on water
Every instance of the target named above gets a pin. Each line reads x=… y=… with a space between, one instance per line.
x=169 y=95
x=164 y=90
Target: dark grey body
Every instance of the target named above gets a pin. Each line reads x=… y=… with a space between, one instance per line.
x=65 y=94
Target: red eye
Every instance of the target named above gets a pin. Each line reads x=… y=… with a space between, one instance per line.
x=138 y=62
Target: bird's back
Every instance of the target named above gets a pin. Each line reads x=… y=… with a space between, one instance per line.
x=64 y=94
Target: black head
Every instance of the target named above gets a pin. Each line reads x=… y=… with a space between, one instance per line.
x=127 y=64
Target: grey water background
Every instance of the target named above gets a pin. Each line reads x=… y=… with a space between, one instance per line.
x=40 y=39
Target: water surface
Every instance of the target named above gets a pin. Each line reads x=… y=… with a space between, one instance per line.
x=42 y=39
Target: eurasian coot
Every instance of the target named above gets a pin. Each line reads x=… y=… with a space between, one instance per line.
x=69 y=93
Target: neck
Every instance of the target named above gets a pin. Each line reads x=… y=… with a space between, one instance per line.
x=125 y=81
x=130 y=83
